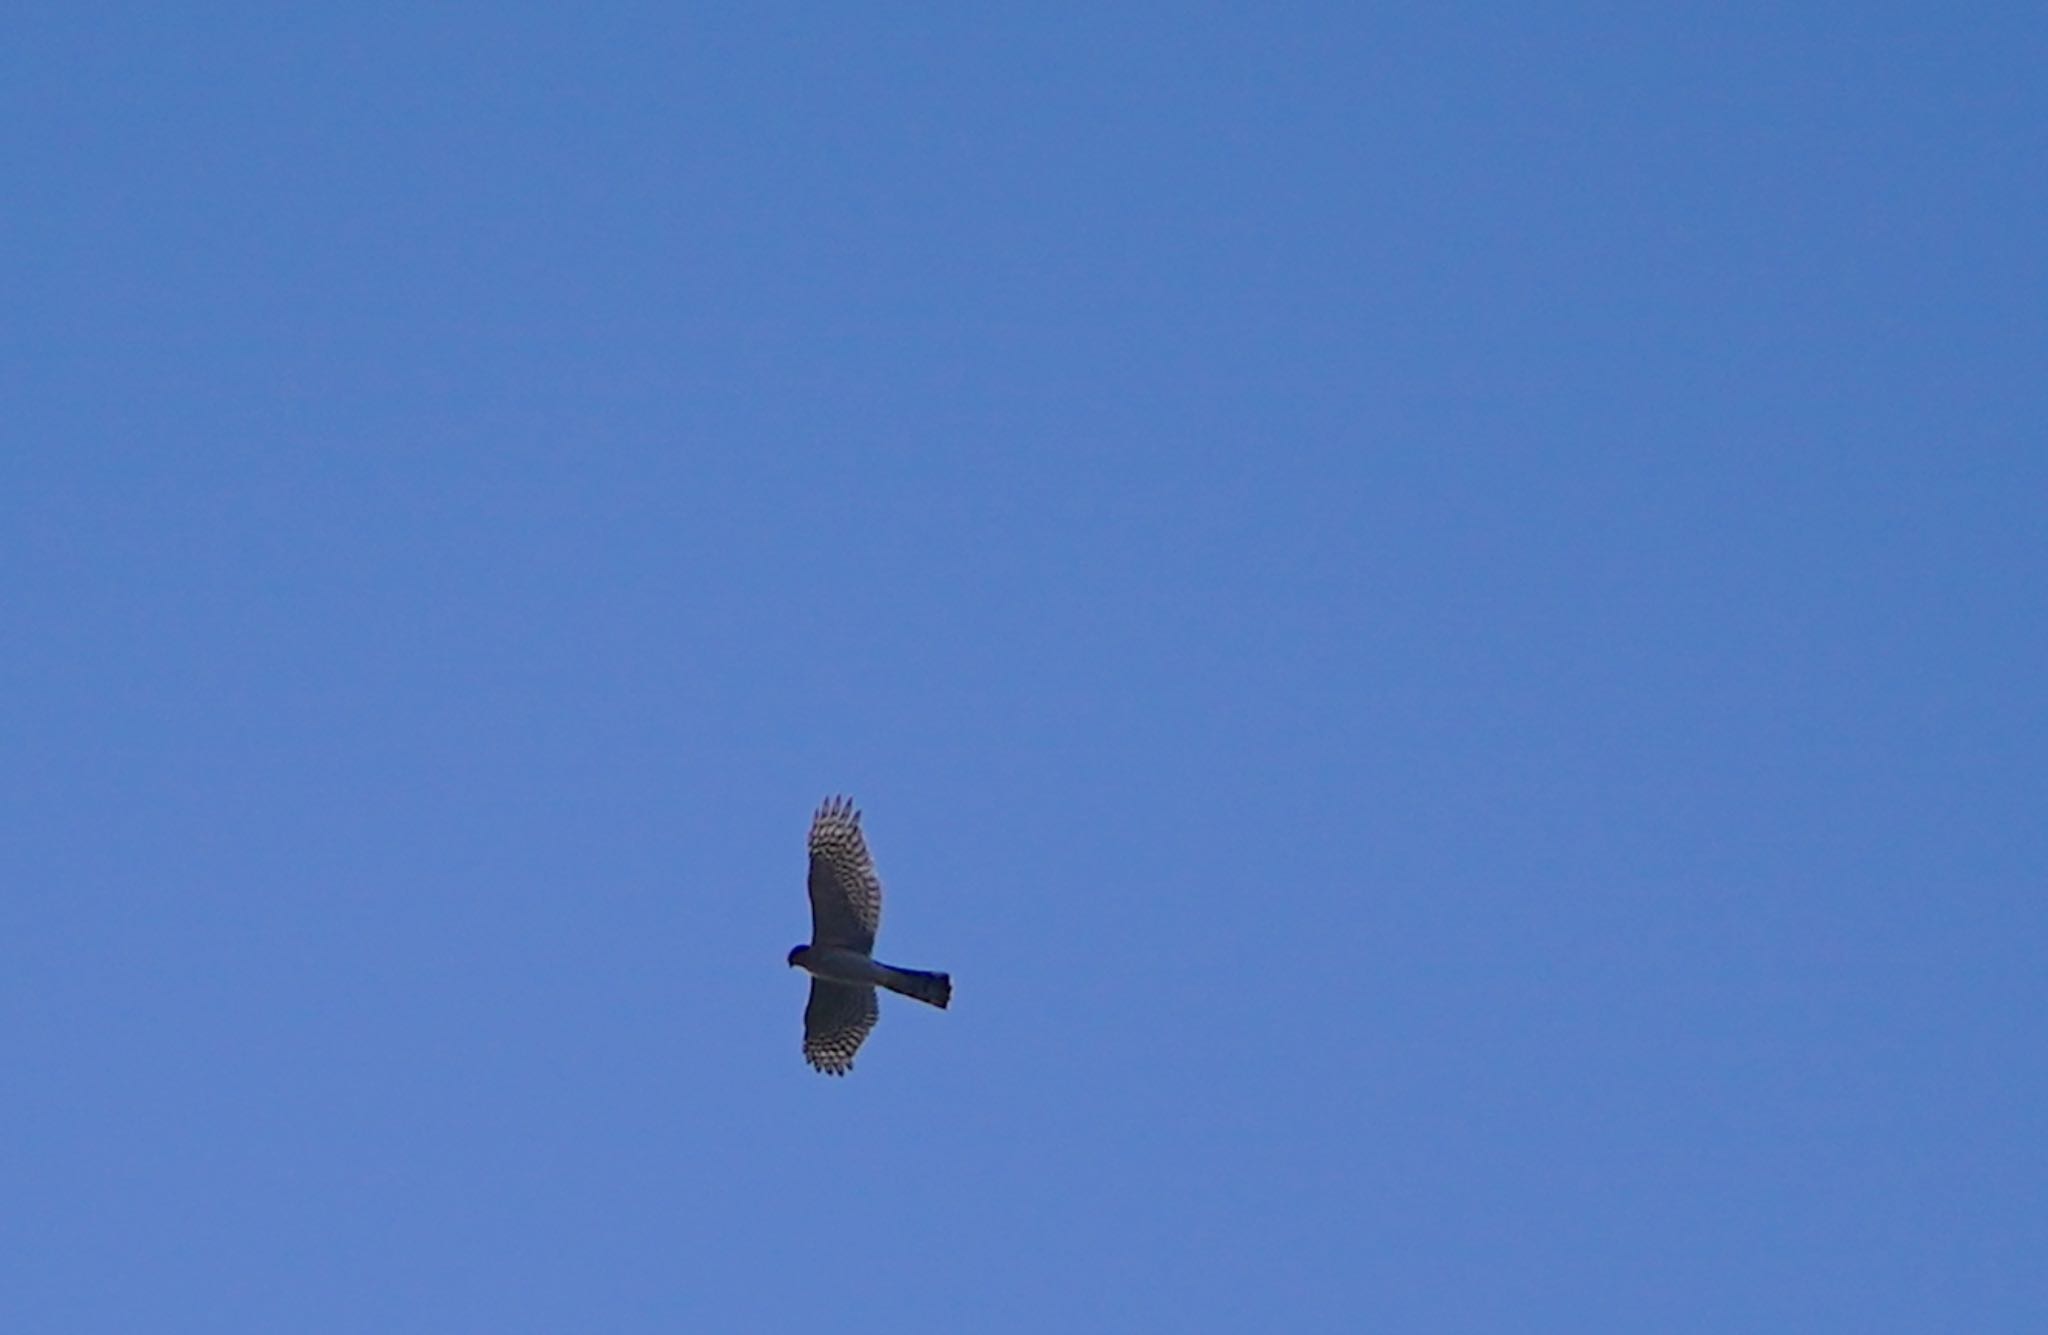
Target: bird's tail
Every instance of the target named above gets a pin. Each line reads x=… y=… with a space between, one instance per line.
x=934 y=989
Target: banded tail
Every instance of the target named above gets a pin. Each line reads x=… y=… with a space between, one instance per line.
x=933 y=989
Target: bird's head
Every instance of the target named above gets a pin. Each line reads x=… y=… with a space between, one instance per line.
x=796 y=955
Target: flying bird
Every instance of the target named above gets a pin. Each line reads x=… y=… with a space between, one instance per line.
x=846 y=910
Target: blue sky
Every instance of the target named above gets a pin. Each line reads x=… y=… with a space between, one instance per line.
x=1436 y=610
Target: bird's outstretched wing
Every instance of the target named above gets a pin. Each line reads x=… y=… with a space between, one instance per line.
x=836 y=1022
x=846 y=895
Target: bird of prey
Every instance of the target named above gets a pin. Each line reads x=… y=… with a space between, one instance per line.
x=846 y=909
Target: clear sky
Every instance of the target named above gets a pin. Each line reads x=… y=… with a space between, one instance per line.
x=1437 y=610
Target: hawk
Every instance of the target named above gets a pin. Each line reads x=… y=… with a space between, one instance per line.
x=846 y=909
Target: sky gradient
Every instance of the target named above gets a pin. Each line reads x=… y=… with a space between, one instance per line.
x=1437 y=611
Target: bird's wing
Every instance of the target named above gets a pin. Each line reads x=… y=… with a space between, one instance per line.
x=836 y=1022
x=846 y=895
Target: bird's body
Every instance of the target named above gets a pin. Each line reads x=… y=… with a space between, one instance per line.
x=846 y=911
x=850 y=966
